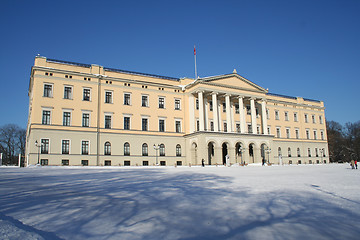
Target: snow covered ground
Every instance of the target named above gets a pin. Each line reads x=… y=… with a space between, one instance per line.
x=253 y=202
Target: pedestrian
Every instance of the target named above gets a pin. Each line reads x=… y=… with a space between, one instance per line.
x=203 y=163
x=263 y=161
x=352 y=164
x=355 y=164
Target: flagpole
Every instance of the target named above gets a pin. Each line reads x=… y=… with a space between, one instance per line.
x=195 y=62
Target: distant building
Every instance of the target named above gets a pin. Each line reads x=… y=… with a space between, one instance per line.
x=82 y=114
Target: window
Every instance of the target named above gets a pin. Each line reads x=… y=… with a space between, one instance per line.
x=145 y=149
x=161 y=125
x=224 y=107
x=145 y=163
x=66 y=118
x=44 y=146
x=309 y=152
x=107 y=148
x=162 y=163
x=46 y=117
x=178 y=163
x=211 y=126
x=65 y=162
x=197 y=104
x=286 y=116
x=47 y=90
x=276 y=115
x=298 y=152
x=295 y=117
x=162 y=150
x=85 y=147
x=107 y=163
x=313 y=118
x=177 y=104
x=237 y=108
x=44 y=162
x=85 y=162
x=267 y=114
x=269 y=130
x=248 y=110
x=225 y=127
x=161 y=102
x=127 y=99
x=127 y=123
x=85 y=119
x=126 y=149
x=211 y=105
x=108 y=97
x=287 y=132
x=297 y=133
x=322 y=135
x=316 y=152
x=289 y=152
x=278 y=132
x=323 y=150
x=178 y=126
x=315 y=134
x=197 y=125
x=67 y=92
x=320 y=119
x=249 y=128
x=307 y=134
x=144 y=101
x=258 y=129
x=86 y=94
x=65 y=149
x=178 y=150
x=126 y=163
x=279 y=151
x=144 y=124
x=238 y=127
x=306 y=118
x=107 y=121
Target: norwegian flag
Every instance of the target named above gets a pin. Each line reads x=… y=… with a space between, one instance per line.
x=194 y=50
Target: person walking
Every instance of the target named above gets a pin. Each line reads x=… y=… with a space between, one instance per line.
x=355 y=164
x=203 y=163
x=263 y=161
x=352 y=164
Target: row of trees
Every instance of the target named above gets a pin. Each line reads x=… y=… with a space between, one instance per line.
x=12 y=143
x=344 y=141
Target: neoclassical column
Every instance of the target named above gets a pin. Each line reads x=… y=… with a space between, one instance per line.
x=242 y=114
x=253 y=115
x=228 y=113
x=264 y=117
x=201 y=110
x=192 y=113
x=206 y=113
x=215 y=111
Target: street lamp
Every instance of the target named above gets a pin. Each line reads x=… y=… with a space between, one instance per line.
x=241 y=151
x=321 y=154
x=38 y=146
x=268 y=151
x=156 y=147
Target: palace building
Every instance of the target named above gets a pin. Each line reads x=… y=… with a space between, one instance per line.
x=86 y=114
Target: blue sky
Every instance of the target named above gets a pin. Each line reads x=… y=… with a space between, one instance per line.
x=298 y=48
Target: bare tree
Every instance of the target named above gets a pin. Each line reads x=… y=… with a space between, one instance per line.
x=12 y=141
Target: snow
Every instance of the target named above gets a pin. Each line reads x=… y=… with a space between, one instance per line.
x=252 y=202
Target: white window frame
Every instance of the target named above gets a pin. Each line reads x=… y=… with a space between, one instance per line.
x=178 y=120
x=70 y=121
x=177 y=99
x=164 y=103
x=297 y=133
x=295 y=116
x=278 y=132
x=42 y=143
x=130 y=102
x=147 y=100
x=288 y=133
x=62 y=146
x=71 y=94
x=277 y=115
x=83 y=94
x=112 y=96
x=82 y=140
x=52 y=89
x=82 y=117
x=112 y=119
x=42 y=114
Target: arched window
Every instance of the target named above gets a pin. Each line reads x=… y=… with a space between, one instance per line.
x=107 y=148
x=279 y=151
x=298 y=152
x=178 y=150
x=126 y=149
x=144 y=149
x=324 y=155
x=289 y=152
x=162 y=150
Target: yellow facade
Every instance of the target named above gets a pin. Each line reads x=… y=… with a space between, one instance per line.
x=77 y=110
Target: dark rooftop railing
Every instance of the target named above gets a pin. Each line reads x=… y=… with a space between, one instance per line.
x=311 y=100
x=140 y=74
x=280 y=95
x=70 y=63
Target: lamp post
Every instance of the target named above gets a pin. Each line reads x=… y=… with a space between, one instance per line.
x=241 y=151
x=321 y=154
x=268 y=151
x=156 y=147
x=38 y=146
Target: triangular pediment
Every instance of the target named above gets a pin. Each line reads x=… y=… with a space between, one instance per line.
x=233 y=81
